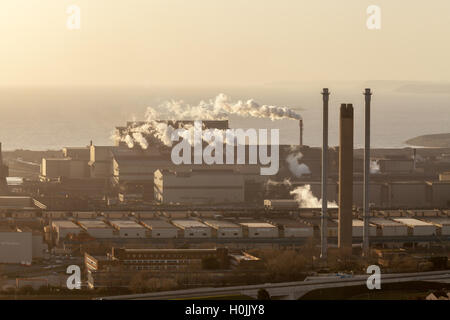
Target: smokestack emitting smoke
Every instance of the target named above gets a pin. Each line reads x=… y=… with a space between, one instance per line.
x=345 y=178
x=301 y=132
x=218 y=109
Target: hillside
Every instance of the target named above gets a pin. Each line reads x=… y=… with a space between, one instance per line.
x=441 y=140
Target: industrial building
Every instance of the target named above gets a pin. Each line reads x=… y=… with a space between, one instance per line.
x=224 y=229
x=408 y=194
x=118 y=268
x=97 y=228
x=19 y=246
x=202 y=186
x=401 y=165
x=358 y=227
x=440 y=194
x=128 y=228
x=256 y=229
x=193 y=228
x=160 y=228
x=389 y=228
x=418 y=227
x=55 y=168
x=293 y=228
x=63 y=228
x=442 y=223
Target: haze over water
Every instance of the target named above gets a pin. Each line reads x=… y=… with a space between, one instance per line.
x=54 y=117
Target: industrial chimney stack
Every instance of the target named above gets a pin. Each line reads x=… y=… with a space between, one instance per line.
x=366 y=208
x=301 y=132
x=3 y=174
x=345 y=178
x=324 y=216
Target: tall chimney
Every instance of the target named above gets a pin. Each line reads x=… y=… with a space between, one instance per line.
x=345 y=178
x=366 y=209
x=301 y=132
x=3 y=174
x=324 y=216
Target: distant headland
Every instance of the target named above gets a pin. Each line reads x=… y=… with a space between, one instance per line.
x=441 y=140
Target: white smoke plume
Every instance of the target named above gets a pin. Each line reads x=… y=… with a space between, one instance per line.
x=305 y=198
x=374 y=167
x=218 y=109
x=285 y=182
x=297 y=169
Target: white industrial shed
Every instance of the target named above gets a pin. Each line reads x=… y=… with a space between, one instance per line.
x=64 y=228
x=224 y=229
x=259 y=230
x=418 y=227
x=442 y=223
x=293 y=228
x=16 y=247
x=129 y=229
x=193 y=228
x=97 y=228
x=389 y=228
x=160 y=228
x=358 y=228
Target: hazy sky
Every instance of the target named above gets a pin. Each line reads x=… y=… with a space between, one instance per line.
x=195 y=42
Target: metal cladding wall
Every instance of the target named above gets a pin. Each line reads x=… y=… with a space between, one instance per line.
x=16 y=247
x=345 y=177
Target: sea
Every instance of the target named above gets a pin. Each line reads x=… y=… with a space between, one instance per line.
x=52 y=117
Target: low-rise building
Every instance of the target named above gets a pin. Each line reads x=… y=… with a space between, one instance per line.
x=418 y=227
x=256 y=229
x=97 y=228
x=224 y=229
x=160 y=228
x=129 y=229
x=193 y=228
x=293 y=228
x=389 y=228
x=64 y=227
x=442 y=223
x=199 y=186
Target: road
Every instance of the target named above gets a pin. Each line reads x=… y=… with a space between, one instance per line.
x=285 y=290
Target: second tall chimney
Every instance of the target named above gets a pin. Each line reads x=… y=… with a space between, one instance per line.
x=345 y=178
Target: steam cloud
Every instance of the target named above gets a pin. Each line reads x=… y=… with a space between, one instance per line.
x=297 y=169
x=306 y=199
x=374 y=167
x=218 y=109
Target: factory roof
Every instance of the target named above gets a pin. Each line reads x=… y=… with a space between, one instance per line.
x=16 y=202
x=220 y=224
x=290 y=223
x=412 y=222
x=187 y=223
x=439 y=221
x=385 y=222
x=157 y=224
x=65 y=224
x=93 y=224
x=126 y=224
x=257 y=225
x=358 y=223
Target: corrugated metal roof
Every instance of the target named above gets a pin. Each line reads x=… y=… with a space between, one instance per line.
x=412 y=222
x=126 y=224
